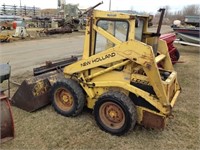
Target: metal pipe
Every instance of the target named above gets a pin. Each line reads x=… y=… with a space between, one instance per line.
x=108 y=69
x=155 y=45
x=90 y=9
x=110 y=5
x=162 y=10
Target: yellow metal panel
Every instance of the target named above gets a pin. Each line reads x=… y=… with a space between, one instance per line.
x=136 y=51
x=133 y=50
x=89 y=91
x=171 y=78
x=159 y=58
x=107 y=69
x=155 y=80
x=91 y=102
x=139 y=77
x=86 y=44
x=163 y=49
x=175 y=98
x=131 y=35
x=111 y=15
x=153 y=101
x=110 y=76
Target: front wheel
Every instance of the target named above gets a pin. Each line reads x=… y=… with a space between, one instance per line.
x=115 y=113
x=68 y=98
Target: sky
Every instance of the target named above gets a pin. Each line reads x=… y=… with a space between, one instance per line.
x=150 y=6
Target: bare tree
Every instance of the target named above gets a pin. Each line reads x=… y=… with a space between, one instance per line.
x=167 y=10
x=131 y=8
x=191 y=10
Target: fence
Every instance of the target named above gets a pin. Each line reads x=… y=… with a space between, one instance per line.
x=19 y=10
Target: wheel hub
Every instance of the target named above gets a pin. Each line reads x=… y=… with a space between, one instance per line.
x=64 y=98
x=113 y=113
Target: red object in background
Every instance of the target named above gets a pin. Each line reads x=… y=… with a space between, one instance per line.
x=173 y=52
x=7 y=123
x=14 y=25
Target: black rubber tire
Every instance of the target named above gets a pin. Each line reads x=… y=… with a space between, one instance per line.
x=126 y=105
x=75 y=91
x=177 y=54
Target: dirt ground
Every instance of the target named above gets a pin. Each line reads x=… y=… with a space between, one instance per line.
x=24 y=55
x=45 y=129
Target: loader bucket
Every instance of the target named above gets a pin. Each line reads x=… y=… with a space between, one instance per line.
x=6 y=120
x=32 y=94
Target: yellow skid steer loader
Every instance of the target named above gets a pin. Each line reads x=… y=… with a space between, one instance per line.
x=125 y=75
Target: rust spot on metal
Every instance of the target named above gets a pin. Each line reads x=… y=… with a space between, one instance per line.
x=62 y=30
x=35 y=97
x=154 y=121
x=132 y=17
x=147 y=65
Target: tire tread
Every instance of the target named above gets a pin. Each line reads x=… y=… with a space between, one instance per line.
x=77 y=91
x=126 y=101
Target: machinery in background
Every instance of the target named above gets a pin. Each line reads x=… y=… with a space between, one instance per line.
x=5 y=37
x=188 y=34
x=188 y=31
x=192 y=20
x=73 y=16
x=173 y=51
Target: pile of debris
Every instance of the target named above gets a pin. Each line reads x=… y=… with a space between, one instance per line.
x=62 y=30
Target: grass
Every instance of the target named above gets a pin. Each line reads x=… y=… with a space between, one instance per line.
x=45 y=129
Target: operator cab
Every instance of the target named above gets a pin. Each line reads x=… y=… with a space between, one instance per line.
x=124 y=29
x=117 y=28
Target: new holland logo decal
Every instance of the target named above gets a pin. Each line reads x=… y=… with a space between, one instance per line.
x=98 y=59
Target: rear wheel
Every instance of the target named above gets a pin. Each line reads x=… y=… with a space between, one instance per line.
x=115 y=113
x=175 y=55
x=68 y=98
